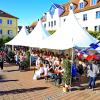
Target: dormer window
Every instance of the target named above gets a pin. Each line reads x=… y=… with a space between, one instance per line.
x=93 y=2
x=81 y=5
x=71 y=6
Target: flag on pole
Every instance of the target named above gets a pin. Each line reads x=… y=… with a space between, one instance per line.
x=95 y=46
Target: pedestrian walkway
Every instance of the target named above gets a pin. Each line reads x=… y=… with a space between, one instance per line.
x=16 y=85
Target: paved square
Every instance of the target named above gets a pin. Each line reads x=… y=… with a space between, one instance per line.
x=16 y=85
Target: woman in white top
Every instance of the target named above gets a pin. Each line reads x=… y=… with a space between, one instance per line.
x=38 y=62
x=38 y=72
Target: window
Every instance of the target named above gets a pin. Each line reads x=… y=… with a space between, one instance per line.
x=84 y=17
x=81 y=5
x=0 y=21
x=9 y=22
x=51 y=23
x=86 y=28
x=45 y=25
x=54 y=23
x=98 y=14
x=9 y=32
x=97 y=28
x=71 y=6
x=93 y=2
x=0 y=31
x=64 y=20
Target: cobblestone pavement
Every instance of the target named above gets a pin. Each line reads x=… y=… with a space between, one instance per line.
x=16 y=85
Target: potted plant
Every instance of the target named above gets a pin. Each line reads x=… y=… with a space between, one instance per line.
x=66 y=75
x=25 y=65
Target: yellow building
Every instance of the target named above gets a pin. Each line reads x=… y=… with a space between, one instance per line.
x=8 y=24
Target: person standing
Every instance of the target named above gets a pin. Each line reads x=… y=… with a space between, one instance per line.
x=1 y=60
x=17 y=58
x=92 y=72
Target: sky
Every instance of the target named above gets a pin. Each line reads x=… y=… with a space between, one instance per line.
x=28 y=11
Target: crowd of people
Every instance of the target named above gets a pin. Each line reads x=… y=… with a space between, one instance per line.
x=50 y=65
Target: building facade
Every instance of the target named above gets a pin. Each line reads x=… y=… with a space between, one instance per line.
x=8 y=24
x=87 y=13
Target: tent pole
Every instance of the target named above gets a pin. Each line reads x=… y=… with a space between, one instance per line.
x=72 y=60
x=72 y=64
x=30 y=56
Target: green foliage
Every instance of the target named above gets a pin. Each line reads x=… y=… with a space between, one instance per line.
x=28 y=57
x=95 y=34
x=67 y=71
x=4 y=40
x=1 y=42
x=11 y=54
x=98 y=37
x=24 y=64
x=7 y=39
x=10 y=57
x=51 y=31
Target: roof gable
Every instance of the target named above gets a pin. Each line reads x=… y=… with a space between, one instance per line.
x=4 y=14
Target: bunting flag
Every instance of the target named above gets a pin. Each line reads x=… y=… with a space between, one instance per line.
x=86 y=55
x=85 y=52
x=80 y=55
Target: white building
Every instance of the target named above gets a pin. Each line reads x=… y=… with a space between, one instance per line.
x=86 y=11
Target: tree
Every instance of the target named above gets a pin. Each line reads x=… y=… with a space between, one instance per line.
x=4 y=40
x=51 y=31
x=94 y=34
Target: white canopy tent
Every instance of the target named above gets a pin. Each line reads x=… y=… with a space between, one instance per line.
x=71 y=34
x=36 y=36
x=19 y=38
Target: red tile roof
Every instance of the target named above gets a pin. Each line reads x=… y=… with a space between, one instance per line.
x=88 y=6
x=33 y=24
x=4 y=14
